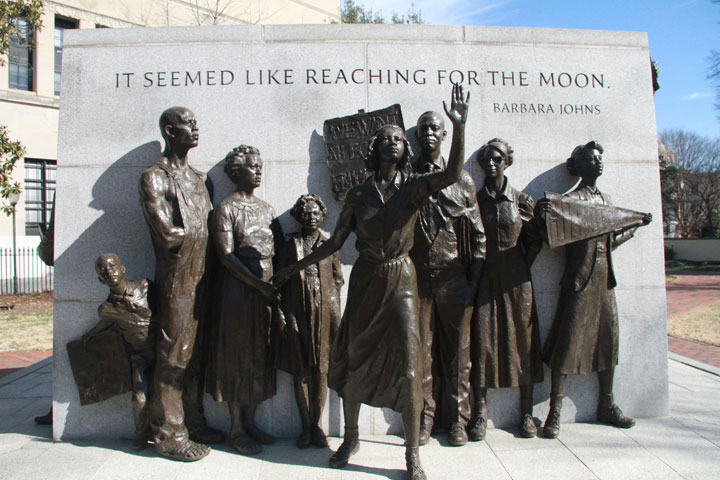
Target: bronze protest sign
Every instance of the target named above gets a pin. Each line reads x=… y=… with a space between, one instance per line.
x=346 y=141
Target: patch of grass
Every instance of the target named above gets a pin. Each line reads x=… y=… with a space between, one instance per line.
x=26 y=331
x=701 y=324
x=688 y=265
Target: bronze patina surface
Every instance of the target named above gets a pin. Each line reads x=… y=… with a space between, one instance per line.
x=176 y=203
x=584 y=335
x=505 y=332
x=311 y=302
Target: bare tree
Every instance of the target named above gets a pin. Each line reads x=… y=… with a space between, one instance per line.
x=691 y=190
x=210 y=12
x=190 y=12
x=714 y=76
x=714 y=72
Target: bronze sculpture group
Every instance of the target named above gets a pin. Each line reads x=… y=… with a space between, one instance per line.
x=440 y=300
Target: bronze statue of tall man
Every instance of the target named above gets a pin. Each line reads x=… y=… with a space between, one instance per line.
x=176 y=204
x=448 y=254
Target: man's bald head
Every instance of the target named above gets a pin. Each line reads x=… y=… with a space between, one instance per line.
x=431 y=115
x=174 y=116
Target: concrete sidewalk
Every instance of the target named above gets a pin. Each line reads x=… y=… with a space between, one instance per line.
x=683 y=446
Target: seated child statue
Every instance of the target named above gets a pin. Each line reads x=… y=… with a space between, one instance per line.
x=128 y=308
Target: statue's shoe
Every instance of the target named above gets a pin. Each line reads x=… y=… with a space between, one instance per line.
x=414 y=467
x=319 y=439
x=528 y=428
x=260 y=436
x=304 y=440
x=612 y=415
x=551 y=429
x=457 y=436
x=245 y=445
x=478 y=426
x=342 y=456
x=187 y=451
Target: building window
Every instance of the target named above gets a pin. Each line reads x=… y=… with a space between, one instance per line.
x=39 y=193
x=21 y=57
x=60 y=26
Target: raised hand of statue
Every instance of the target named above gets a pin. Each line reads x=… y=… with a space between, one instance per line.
x=459 y=105
x=647 y=219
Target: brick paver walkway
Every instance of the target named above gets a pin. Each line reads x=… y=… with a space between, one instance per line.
x=11 y=361
x=684 y=294
x=688 y=292
x=701 y=352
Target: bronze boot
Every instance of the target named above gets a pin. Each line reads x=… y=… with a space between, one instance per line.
x=412 y=462
x=551 y=429
x=608 y=412
x=457 y=436
x=478 y=424
x=527 y=423
x=350 y=446
x=527 y=427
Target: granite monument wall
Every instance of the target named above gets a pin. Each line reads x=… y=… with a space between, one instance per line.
x=544 y=91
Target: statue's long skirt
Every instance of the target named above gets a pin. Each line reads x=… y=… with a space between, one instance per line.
x=584 y=335
x=505 y=340
x=375 y=357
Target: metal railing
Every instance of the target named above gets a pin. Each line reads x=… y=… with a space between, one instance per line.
x=33 y=276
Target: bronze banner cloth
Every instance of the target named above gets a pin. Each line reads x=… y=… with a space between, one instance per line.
x=570 y=220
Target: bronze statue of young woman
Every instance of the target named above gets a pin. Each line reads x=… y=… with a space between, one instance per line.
x=584 y=335
x=505 y=341
x=377 y=357
x=245 y=231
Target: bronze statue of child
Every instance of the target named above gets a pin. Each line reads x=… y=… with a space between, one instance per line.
x=311 y=302
x=129 y=309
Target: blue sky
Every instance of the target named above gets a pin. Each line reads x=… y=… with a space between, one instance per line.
x=681 y=34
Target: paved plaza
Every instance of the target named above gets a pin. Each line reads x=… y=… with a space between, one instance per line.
x=685 y=445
